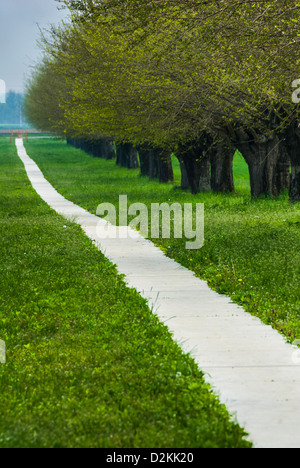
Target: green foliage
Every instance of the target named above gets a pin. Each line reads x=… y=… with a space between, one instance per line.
x=164 y=72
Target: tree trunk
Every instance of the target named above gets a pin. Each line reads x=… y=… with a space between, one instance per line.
x=78 y=143
x=88 y=146
x=156 y=163
x=133 y=162
x=97 y=149
x=144 y=160
x=164 y=165
x=283 y=173
x=196 y=164
x=193 y=177
x=293 y=145
x=184 y=178
x=107 y=149
x=222 y=169
x=197 y=169
x=122 y=154
x=261 y=154
x=127 y=156
x=204 y=173
x=295 y=183
x=153 y=164
x=119 y=154
x=273 y=155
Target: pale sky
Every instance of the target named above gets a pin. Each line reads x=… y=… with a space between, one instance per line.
x=19 y=33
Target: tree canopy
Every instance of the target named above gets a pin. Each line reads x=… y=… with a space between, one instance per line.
x=177 y=74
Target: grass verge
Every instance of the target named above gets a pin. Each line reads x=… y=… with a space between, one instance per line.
x=88 y=364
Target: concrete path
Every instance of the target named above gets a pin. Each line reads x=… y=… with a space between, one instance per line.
x=249 y=365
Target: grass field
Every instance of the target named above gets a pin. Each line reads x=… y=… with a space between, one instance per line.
x=252 y=248
x=88 y=364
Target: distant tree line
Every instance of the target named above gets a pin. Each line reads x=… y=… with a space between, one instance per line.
x=195 y=78
x=12 y=112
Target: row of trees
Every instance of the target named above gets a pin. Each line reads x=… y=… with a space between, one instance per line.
x=196 y=78
x=11 y=112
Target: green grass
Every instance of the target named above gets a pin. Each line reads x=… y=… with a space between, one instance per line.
x=252 y=248
x=88 y=364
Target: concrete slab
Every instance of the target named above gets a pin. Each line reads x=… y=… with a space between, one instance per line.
x=248 y=364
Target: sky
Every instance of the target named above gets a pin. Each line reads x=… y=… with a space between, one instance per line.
x=19 y=32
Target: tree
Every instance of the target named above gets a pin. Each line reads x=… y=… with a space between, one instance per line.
x=197 y=77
